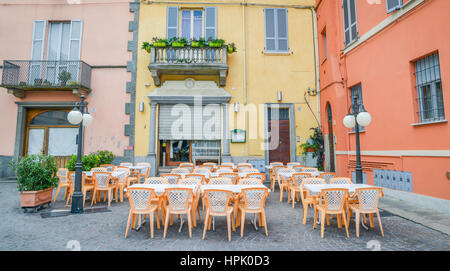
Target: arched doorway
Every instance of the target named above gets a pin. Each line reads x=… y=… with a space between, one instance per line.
x=330 y=138
x=48 y=131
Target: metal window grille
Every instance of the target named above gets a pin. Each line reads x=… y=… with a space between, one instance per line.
x=429 y=89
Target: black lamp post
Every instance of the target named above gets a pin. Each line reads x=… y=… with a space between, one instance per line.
x=78 y=116
x=357 y=115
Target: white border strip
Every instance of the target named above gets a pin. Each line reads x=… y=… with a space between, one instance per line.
x=424 y=153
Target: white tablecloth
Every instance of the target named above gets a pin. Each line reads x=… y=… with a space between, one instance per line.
x=235 y=188
x=315 y=189
x=114 y=174
x=160 y=188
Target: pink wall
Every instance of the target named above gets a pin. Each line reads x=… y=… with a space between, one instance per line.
x=383 y=66
x=104 y=43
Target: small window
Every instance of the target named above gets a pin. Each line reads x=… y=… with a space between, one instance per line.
x=392 y=5
x=350 y=21
x=356 y=92
x=324 y=39
x=278 y=113
x=276 y=30
x=429 y=89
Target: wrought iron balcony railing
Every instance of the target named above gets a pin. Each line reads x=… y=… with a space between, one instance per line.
x=23 y=75
x=188 y=61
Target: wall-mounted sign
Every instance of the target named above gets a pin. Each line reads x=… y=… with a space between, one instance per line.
x=237 y=136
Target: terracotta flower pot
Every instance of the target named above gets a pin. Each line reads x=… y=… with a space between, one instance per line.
x=35 y=198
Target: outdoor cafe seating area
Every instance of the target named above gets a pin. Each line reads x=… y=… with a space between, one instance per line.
x=234 y=191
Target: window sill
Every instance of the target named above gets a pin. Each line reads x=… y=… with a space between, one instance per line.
x=430 y=122
x=268 y=53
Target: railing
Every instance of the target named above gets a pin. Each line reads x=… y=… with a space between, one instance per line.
x=30 y=74
x=189 y=55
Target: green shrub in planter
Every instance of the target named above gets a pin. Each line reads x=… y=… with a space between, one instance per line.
x=35 y=172
x=105 y=157
x=157 y=42
x=89 y=161
x=177 y=43
x=146 y=46
x=216 y=43
x=64 y=76
x=200 y=43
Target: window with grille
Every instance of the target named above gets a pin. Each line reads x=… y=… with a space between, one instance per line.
x=356 y=91
x=392 y=5
x=429 y=89
x=350 y=21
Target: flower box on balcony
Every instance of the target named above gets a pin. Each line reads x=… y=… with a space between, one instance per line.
x=161 y=44
x=178 y=44
x=197 y=44
x=215 y=44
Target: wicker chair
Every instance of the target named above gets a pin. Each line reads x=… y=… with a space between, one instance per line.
x=156 y=180
x=340 y=180
x=274 y=176
x=368 y=204
x=84 y=186
x=233 y=176
x=171 y=178
x=180 y=170
x=283 y=182
x=260 y=176
x=250 y=181
x=102 y=182
x=327 y=176
x=218 y=204
x=141 y=204
x=306 y=198
x=200 y=177
x=295 y=189
x=254 y=200
x=188 y=166
x=180 y=202
x=145 y=172
x=63 y=182
x=333 y=202
x=109 y=167
x=220 y=181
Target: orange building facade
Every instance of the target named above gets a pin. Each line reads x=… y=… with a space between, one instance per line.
x=396 y=55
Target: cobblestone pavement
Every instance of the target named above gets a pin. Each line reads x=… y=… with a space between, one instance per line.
x=105 y=231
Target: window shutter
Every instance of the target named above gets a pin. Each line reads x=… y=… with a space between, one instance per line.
x=37 y=47
x=172 y=22
x=392 y=5
x=350 y=21
x=76 y=30
x=269 y=14
x=210 y=23
x=282 y=30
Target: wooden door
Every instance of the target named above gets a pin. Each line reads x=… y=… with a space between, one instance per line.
x=282 y=152
x=178 y=151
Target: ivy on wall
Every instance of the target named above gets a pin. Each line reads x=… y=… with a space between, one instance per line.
x=315 y=145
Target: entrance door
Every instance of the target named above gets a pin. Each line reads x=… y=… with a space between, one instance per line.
x=331 y=138
x=178 y=151
x=280 y=118
x=49 y=132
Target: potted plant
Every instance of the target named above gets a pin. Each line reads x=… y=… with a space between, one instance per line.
x=37 y=81
x=314 y=145
x=200 y=43
x=179 y=43
x=73 y=83
x=36 y=178
x=157 y=42
x=64 y=76
x=216 y=43
x=146 y=46
x=231 y=48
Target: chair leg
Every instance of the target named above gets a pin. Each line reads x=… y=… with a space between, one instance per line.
x=379 y=222
x=57 y=192
x=322 y=224
x=133 y=222
x=263 y=214
x=229 y=226
x=158 y=226
x=371 y=221
x=316 y=212
x=357 y=218
x=305 y=213
x=328 y=220
x=109 y=198
x=345 y=223
x=242 y=223
x=152 y=214
x=281 y=193
x=339 y=221
x=94 y=197
x=189 y=219
x=206 y=224
x=128 y=224
x=166 y=224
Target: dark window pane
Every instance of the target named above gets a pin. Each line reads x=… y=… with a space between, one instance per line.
x=51 y=118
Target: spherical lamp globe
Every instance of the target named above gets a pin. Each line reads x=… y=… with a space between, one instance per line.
x=349 y=121
x=364 y=119
x=87 y=119
x=74 y=117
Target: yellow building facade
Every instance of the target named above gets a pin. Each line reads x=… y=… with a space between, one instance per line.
x=256 y=104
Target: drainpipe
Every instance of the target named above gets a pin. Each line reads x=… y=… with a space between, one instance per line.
x=316 y=59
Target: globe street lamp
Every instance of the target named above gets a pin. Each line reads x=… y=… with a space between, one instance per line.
x=359 y=116
x=81 y=118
